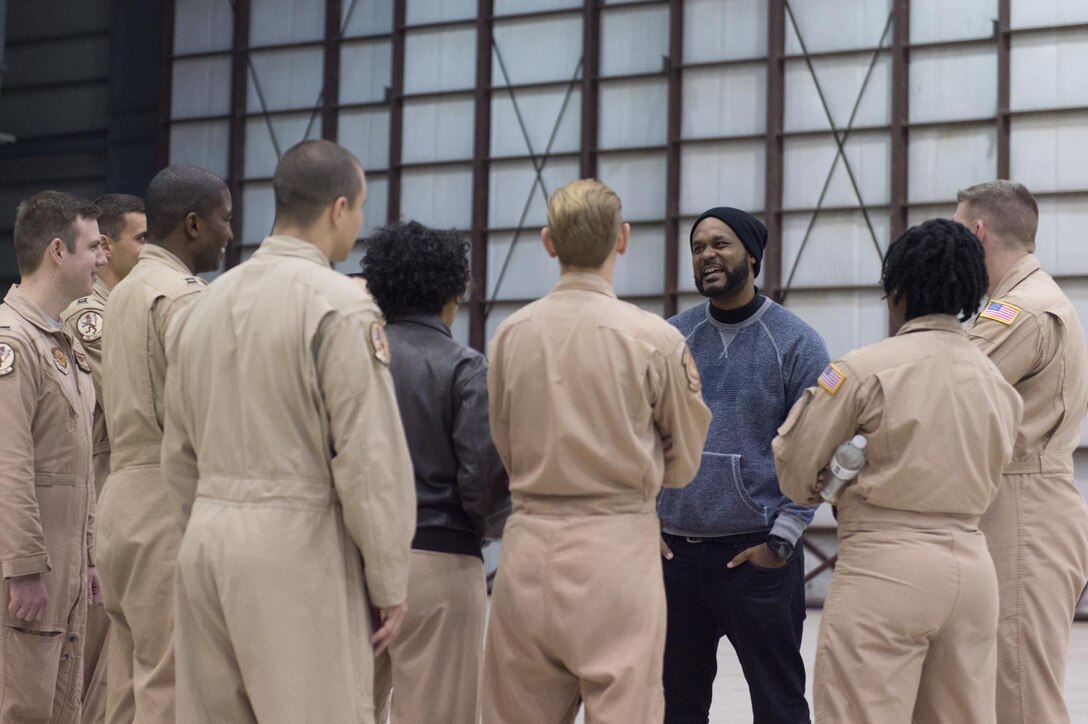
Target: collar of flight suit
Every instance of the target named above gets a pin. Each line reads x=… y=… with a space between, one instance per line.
x=929 y=322
x=31 y=312
x=160 y=254
x=1021 y=270
x=283 y=245
x=587 y=281
x=101 y=289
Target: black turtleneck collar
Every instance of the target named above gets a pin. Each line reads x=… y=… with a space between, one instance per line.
x=736 y=316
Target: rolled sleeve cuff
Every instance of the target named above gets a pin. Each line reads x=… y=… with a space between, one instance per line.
x=788 y=527
x=26 y=566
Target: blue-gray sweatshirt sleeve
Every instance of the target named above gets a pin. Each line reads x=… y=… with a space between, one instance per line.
x=803 y=364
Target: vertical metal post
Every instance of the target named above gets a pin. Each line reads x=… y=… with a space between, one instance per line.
x=237 y=150
x=396 y=109
x=166 y=83
x=776 y=112
x=672 y=155
x=591 y=68
x=1004 y=52
x=900 y=119
x=481 y=152
x=330 y=98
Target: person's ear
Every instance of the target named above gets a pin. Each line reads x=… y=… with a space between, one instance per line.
x=107 y=245
x=193 y=223
x=623 y=238
x=56 y=250
x=549 y=245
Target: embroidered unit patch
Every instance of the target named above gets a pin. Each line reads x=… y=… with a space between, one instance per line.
x=89 y=325
x=7 y=360
x=831 y=379
x=380 y=344
x=60 y=360
x=1000 y=312
x=691 y=371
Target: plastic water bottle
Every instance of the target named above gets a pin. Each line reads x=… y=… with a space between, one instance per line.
x=845 y=465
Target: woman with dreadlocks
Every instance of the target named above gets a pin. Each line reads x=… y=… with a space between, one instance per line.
x=910 y=619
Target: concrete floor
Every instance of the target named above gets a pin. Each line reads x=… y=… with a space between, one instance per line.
x=732 y=705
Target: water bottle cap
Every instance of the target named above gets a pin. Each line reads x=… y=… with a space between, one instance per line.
x=859 y=442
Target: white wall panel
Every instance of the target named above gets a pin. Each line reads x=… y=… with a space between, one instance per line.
x=933 y=21
x=459 y=330
x=1050 y=154
x=1059 y=243
x=807 y=161
x=439 y=130
x=440 y=197
x=260 y=152
x=944 y=160
x=846 y=320
x=366 y=17
x=918 y=214
x=841 y=81
x=366 y=134
x=724 y=102
x=729 y=173
x=511 y=183
x=201 y=26
x=634 y=40
x=259 y=202
x=287 y=79
x=1036 y=13
x=633 y=113
x=653 y=306
x=541 y=49
x=640 y=271
x=953 y=84
x=365 y=71
x=204 y=143
x=376 y=207
x=836 y=24
x=639 y=180
x=438 y=60
x=540 y=110
x=839 y=251
x=437 y=11
x=200 y=87
x=1049 y=71
x=285 y=21
x=510 y=7
x=530 y=273
x=724 y=30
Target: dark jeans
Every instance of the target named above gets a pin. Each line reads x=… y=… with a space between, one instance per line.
x=761 y=611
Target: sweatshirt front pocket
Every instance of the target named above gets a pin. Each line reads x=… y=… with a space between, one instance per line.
x=716 y=502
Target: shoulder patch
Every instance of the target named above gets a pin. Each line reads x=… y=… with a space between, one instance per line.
x=1000 y=311
x=81 y=362
x=191 y=281
x=60 y=360
x=380 y=343
x=695 y=383
x=7 y=359
x=89 y=325
x=831 y=379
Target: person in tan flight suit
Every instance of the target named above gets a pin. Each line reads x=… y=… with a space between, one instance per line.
x=1037 y=528
x=594 y=405
x=46 y=478
x=286 y=459
x=123 y=231
x=188 y=228
x=909 y=625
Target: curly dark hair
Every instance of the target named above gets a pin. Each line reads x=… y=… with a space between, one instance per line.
x=413 y=269
x=938 y=267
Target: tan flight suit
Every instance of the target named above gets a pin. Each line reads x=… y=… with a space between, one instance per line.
x=1037 y=528
x=594 y=406
x=83 y=319
x=46 y=509
x=285 y=453
x=910 y=617
x=138 y=536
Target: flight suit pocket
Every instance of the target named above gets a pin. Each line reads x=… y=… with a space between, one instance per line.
x=31 y=663
x=50 y=479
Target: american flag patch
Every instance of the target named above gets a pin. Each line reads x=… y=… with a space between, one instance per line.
x=1000 y=312
x=831 y=379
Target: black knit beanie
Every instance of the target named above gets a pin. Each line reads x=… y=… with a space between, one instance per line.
x=750 y=230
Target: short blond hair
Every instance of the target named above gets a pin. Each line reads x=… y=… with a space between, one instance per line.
x=1009 y=209
x=584 y=221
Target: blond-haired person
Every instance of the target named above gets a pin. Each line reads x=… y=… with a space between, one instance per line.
x=594 y=406
x=1037 y=528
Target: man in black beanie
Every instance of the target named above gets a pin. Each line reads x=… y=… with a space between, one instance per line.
x=733 y=563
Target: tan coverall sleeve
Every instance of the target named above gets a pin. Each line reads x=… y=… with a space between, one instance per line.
x=498 y=410
x=818 y=423
x=179 y=466
x=371 y=466
x=680 y=415
x=22 y=541
x=163 y=312
x=1015 y=349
